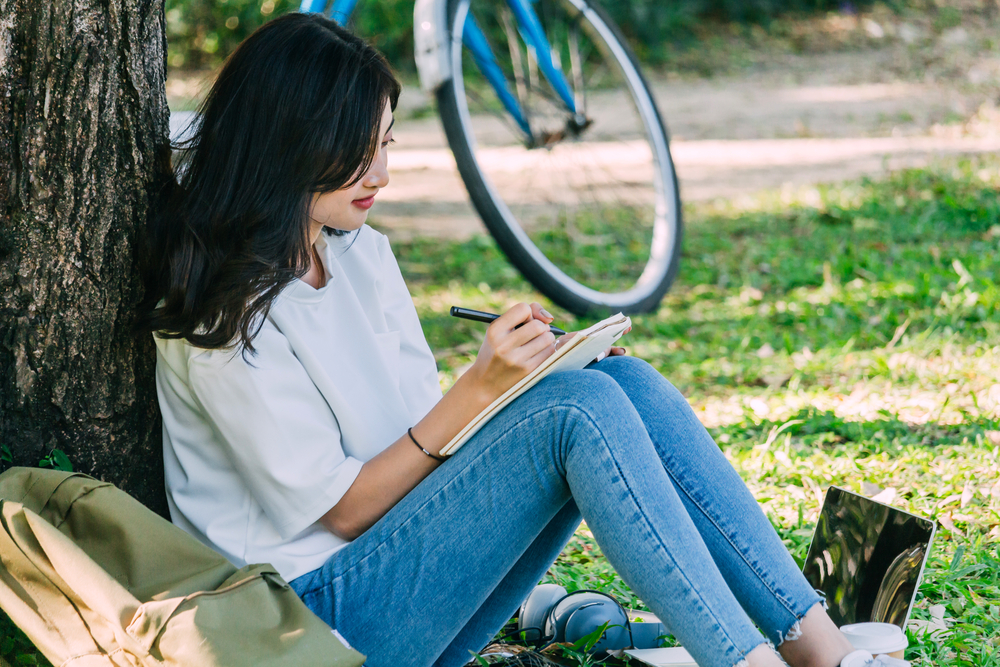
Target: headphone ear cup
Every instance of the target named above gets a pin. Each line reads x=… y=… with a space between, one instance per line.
x=555 y=625
x=535 y=608
x=647 y=634
x=589 y=617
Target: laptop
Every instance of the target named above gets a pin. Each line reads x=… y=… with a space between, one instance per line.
x=867 y=558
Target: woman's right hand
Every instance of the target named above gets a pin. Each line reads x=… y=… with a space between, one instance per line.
x=511 y=351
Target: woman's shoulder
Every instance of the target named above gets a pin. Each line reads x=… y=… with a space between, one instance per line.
x=180 y=353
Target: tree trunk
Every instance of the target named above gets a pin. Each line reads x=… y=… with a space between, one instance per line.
x=83 y=149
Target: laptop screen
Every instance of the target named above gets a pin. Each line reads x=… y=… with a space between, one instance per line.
x=867 y=558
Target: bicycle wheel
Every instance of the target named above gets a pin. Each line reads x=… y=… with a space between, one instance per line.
x=584 y=204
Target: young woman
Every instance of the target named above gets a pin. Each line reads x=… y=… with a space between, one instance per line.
x=303 y=418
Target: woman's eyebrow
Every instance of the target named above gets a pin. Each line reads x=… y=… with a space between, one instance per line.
x=391 y=123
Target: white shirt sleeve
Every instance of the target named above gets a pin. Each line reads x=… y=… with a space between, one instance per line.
x=278 y=430
x=420 y=367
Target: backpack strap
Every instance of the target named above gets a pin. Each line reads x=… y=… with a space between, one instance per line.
x=34 y=487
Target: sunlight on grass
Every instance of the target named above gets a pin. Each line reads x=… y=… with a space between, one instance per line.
x=866 y=312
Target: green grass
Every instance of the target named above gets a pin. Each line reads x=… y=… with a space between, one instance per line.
x=604 y=248
x=846 y=335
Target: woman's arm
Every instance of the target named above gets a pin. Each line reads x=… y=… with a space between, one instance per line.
x=507 y=355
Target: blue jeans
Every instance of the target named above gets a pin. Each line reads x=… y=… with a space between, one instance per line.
x=449 y=565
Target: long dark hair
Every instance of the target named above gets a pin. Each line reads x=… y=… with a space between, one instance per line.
x=295 y=110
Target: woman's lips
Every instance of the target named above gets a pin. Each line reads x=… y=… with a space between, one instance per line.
x=365 y=203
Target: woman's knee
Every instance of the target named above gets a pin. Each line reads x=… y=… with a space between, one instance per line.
x=586 y=403
x=582 y=398
x=640 y=380
x=583 y=389
x=628 y=367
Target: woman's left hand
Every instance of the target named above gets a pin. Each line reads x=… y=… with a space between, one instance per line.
x=613 y=351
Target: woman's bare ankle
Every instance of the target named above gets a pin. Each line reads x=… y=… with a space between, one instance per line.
x=764 y=656
x=819 y=642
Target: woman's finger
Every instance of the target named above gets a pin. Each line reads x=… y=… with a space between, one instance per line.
x=545 y=341
x=516 y=315
x=536 y=359
x=539 y=313
x=525 y=333
x=565 y=339
x=614 y=351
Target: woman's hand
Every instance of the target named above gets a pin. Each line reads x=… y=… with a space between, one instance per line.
x=516 y=343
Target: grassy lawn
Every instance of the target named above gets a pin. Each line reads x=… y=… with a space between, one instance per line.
x=843 y=335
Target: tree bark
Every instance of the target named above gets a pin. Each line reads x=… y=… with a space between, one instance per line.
x=83 y=148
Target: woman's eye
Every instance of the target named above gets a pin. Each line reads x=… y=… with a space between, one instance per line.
x=385 y=144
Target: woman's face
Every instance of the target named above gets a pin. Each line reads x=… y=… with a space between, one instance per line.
x=347 y=208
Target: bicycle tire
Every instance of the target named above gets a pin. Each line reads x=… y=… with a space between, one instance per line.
x=661 y=266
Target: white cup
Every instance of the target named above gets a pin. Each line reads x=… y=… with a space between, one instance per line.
x=877 y=638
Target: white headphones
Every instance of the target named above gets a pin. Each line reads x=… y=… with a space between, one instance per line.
x=555 y=616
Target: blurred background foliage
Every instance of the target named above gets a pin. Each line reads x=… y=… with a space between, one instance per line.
x=201 y=33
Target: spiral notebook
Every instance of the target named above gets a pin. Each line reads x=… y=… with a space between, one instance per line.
x=575 y=354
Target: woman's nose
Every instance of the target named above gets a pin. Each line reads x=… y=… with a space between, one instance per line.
x=378 y=175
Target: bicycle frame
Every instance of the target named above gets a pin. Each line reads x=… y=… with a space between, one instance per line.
x=529 y=27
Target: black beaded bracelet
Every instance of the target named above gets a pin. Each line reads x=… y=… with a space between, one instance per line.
x=409 y=432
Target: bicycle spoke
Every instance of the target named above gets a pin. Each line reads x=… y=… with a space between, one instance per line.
x=514 y=47
x=577 y=66
x=499 y=114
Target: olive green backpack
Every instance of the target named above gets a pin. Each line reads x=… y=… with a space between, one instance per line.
x=95 y=579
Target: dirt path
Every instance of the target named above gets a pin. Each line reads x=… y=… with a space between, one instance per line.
x=803 y=120
x=798 y=121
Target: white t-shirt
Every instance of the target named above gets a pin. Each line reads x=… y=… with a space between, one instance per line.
x=255 y=453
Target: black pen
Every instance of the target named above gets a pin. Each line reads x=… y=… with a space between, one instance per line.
x=480 y=316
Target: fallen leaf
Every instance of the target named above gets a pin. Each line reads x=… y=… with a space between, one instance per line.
x=936 y=627
x=886 y=496
x=967 y=493
x=870 y=490
x=947 y=522
x=778 y=380
x=949 y=500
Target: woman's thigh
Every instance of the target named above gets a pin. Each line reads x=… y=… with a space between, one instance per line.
x=412 y=581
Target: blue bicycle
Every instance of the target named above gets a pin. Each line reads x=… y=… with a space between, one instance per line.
x=559 y=142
